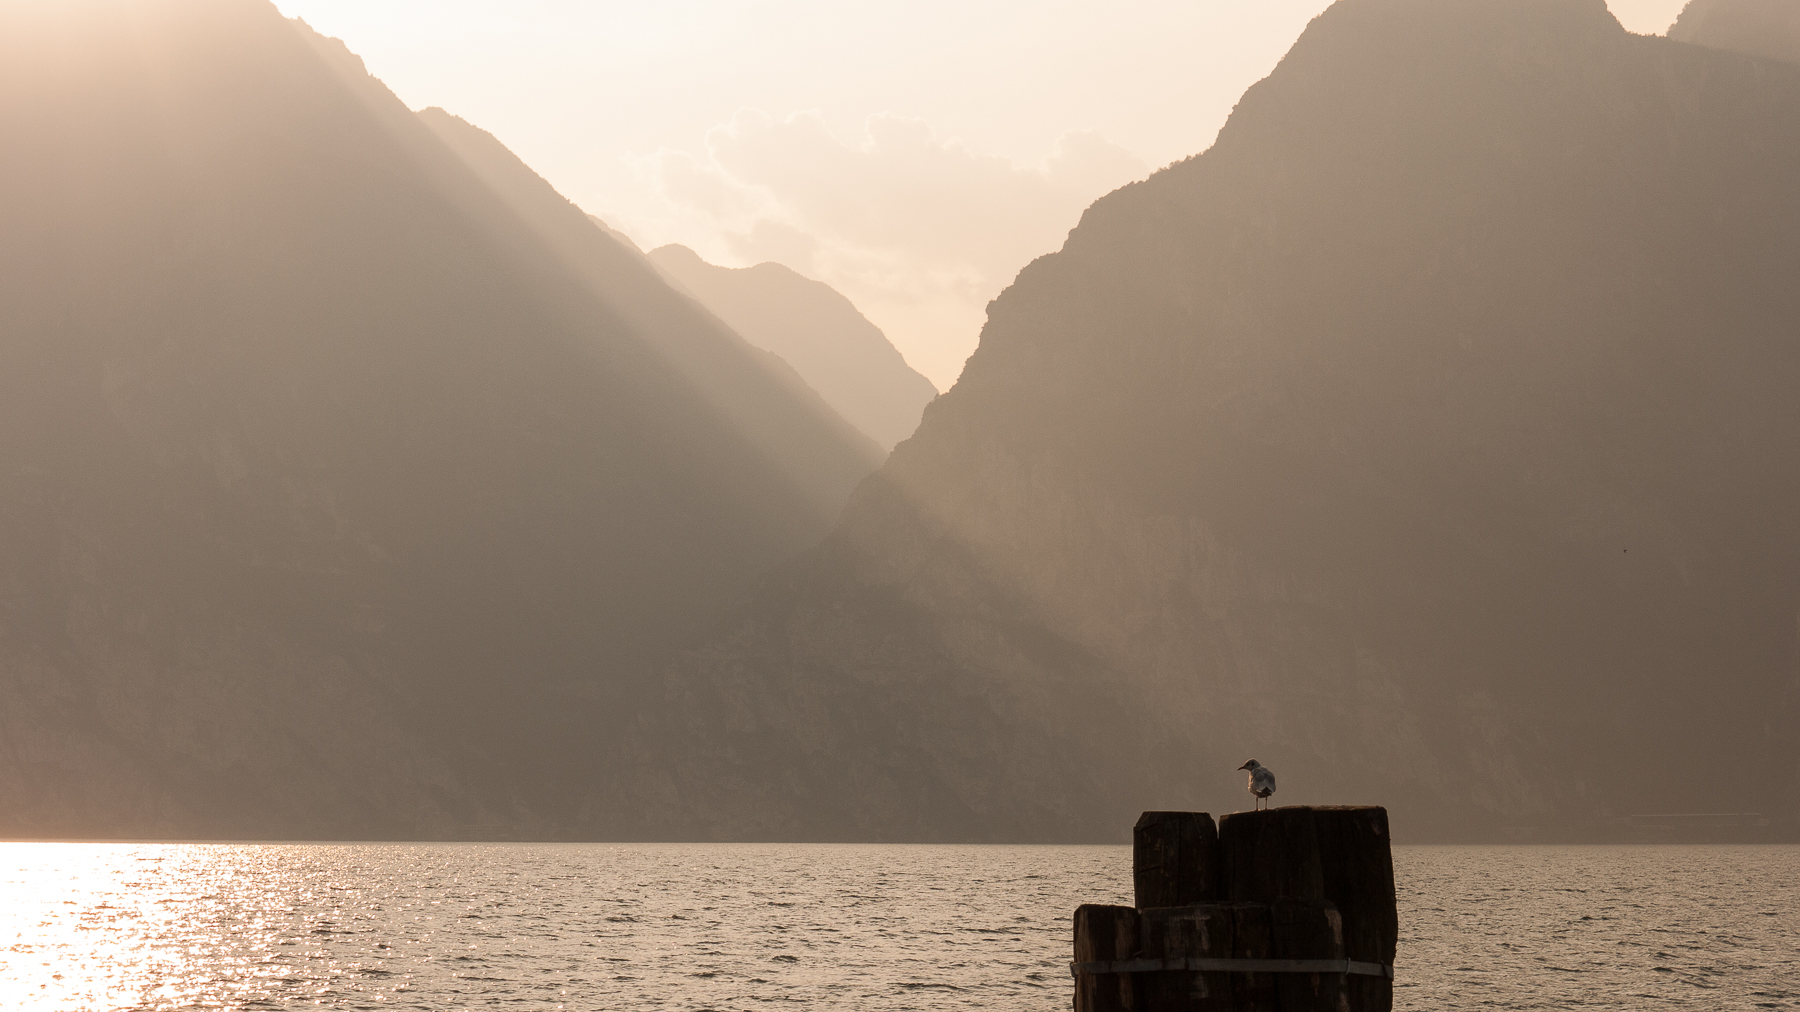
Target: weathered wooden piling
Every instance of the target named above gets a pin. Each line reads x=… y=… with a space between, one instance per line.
x=1286 y=910
x=1182 y=933
x=1305 y=929
x=1105 y=934
x=1254 y=938
x=1175 y=859
x=1340 y=855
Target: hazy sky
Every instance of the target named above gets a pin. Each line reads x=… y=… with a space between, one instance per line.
x=913 y=154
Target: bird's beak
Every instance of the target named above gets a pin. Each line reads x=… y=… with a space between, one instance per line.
x=1244 y=767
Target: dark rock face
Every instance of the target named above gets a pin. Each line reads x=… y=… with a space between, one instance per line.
x=348 y=477
x=1766 y=28
x=1432 y=437
x=843 y=356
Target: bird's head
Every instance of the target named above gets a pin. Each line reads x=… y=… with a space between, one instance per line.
x=1252 y=764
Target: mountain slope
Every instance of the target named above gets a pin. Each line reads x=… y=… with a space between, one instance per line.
x=630 y=285
x=1431 y=438
x=1767 y=28
x=816 y=330
x=346 y=488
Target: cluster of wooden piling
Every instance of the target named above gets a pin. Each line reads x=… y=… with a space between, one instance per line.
x=1286 y=910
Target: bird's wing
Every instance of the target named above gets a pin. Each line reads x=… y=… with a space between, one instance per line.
x=1263 y=780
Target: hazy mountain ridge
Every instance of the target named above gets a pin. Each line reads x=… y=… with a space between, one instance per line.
x=816 y=330
x=346 y=482
x=1766 y=28
x=1433 y=431
x=1431 y=437
x=621 y=274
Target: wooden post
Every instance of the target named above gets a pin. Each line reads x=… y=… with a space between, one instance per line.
x=1253 y=937
x=1104 y=934
x=1175 y=859
x=1282 y=885
x=1271 y=855
x=1356 y=864
x=1337 y=855
x=1205 y=931
x=1308 y=929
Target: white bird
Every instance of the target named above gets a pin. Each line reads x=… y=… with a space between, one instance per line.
x=1262 y=781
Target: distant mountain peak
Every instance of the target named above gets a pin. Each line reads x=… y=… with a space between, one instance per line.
x=674 y=254
x=811 y=325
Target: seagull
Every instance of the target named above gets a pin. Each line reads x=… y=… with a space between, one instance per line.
x=1262 y=781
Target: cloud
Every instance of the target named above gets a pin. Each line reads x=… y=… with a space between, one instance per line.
x=921 y=232
x=774 y=240
x=687 y=180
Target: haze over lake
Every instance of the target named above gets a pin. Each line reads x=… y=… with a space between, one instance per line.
x=1432 y=431
x=1403 y=392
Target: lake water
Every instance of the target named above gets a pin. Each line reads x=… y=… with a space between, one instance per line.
x=740 y=927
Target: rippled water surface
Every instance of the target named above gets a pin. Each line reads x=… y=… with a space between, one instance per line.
x=1598 y=927
x=368 y=926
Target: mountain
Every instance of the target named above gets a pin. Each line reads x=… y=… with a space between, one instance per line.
x=846 y=358
x=1766 y=28
x=620 y=272
x=350 y=479
x=1433 y=438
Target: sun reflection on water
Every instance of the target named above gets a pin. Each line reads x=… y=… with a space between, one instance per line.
x=90 y=926
x=104 y=927
x=78 y=924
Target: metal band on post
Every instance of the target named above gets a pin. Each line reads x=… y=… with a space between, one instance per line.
x=1349 y=966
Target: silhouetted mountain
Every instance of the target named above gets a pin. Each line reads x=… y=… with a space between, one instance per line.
x=847 y=359
x=1433 y=437
x=349 y=477
x=1768 y=28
